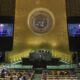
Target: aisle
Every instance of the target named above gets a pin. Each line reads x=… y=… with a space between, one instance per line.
x=37 y=77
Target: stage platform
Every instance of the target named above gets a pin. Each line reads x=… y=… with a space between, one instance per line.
x=49 y=67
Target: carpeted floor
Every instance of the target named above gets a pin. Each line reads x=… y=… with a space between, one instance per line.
x=37 y=77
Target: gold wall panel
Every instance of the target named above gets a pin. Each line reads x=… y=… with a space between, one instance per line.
x=25 y=40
